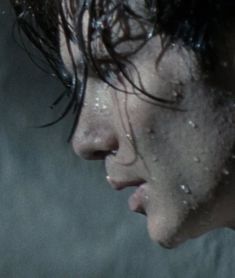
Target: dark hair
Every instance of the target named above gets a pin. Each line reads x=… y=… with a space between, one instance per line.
x=191 y=21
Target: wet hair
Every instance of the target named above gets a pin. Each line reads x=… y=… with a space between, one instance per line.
x=116 y=25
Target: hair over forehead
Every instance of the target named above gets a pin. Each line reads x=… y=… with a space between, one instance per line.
x=192 y=21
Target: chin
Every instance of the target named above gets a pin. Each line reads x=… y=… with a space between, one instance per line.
x=172 y=233
x=165 y=232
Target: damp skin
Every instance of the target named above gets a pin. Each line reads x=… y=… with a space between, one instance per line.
x=183 y=155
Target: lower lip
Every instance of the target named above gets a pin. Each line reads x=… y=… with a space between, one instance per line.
x=138 y=200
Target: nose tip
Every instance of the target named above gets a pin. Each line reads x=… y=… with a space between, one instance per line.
x=92 y=147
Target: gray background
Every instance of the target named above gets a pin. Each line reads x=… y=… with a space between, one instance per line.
x=58 y=216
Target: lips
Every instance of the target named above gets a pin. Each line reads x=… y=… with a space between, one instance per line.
x=137 y=201
x=119 y=185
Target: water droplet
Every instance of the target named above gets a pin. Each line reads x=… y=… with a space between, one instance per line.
x=114 y=152
x=192 y=124
x=155 y=159
x=146 y=197
x=150 y=34
x=129 y=136
x=196 y=159
x=224 y=64
x=153 y=179
x=233 y=156
x=185 y=203
x=150 y=131
x=185 y=189
x=226 y=172
x=3 y=12
x=104 y=107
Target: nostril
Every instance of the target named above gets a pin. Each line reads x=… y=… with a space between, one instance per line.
x=95 y=145
x=99 y=155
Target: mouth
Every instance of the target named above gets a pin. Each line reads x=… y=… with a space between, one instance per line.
x=138 y=200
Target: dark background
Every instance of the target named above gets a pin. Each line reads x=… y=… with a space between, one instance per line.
x=58 y=216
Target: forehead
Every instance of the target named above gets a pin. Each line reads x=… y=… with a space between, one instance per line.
x=125 y=34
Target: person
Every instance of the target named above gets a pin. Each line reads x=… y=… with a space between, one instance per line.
x=151 y=84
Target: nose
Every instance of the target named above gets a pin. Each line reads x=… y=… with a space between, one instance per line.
x=94 y=140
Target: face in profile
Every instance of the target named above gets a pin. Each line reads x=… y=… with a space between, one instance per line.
x=162 y=121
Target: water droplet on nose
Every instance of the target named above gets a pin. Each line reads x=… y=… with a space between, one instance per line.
x=226 y=172
x=185 y=189
x=192 y=124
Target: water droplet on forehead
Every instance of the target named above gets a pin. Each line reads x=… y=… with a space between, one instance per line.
x=185 y=189
x=151 y=34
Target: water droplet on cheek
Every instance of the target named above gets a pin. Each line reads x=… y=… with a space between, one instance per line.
x=185 y=203
x=192 y=124
x=185 y=189
x=226 y=172
x=155 y=159
x=146 y=197
x=114 y=152
x=196 y=159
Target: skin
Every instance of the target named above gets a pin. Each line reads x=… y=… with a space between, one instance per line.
x=181 y=158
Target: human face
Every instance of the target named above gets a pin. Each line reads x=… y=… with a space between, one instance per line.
x=178 y=159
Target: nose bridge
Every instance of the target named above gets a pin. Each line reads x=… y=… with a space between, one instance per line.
x=94 y=136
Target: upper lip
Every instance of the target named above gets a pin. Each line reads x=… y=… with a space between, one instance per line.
x=119 y=185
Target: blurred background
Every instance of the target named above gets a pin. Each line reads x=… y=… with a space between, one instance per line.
x=58 y=216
